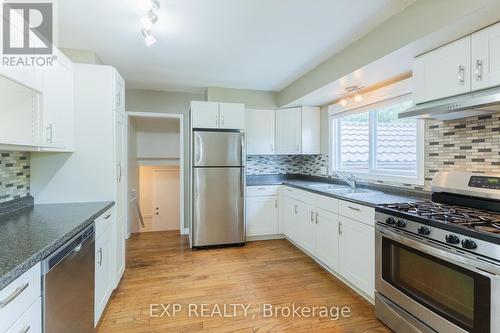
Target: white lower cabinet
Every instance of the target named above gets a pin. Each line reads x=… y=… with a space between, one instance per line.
x=327 y=238
x=324 y=227
x=30 y=321
x=357 y=254
x=104 y=281
x=262 y=216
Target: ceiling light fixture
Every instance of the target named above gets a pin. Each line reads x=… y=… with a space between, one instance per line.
x=147 y=22
x=351 y=92
x=148 y=38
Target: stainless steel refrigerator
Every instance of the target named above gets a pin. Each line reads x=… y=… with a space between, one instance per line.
x=218 y=188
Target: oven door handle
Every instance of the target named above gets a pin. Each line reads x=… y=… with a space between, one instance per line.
x=475 y=264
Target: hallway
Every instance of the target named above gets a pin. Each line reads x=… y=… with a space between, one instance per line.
x=161 y=269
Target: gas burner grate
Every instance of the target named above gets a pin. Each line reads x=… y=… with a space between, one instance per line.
x=468 y=217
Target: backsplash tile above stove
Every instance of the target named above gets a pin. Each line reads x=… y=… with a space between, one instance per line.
x=283 y=164
x=14 y=175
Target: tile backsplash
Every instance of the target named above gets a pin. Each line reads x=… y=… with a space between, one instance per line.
x=14 y=175
x=470 y=144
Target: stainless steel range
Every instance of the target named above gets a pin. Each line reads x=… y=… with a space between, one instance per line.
x=438 y=262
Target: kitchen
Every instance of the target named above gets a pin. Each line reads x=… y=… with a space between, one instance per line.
x=351 y=185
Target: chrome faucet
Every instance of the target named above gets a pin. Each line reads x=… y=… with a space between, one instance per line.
x=350 y=181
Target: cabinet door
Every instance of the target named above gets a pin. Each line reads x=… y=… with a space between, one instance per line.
x=357 y=254
x=260 y=128
x=327 y=238
x=486 y=58
x=307 y=228
x=205 y=114
x=57 y=113
x=291 y=218
x=231 y=116
x=288 y=128
x=103 y=273
x=262 y=215
x=19 y=107
x=119 y=237
x=30 y=321
x=310 y=130
x=443 y=72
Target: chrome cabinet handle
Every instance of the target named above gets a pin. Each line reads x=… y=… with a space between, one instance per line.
x=222 y=119
x=461 y=70
x=295 y=209
x=317 y=218
x=479 y=70
x=217 y=120
x=119 y=172
x=312 y=216
x=340 y=228
x=276 y=203
x=354 y=208
x=14 y=295
x=49 y=133
x=107 y=216
x=25 y=329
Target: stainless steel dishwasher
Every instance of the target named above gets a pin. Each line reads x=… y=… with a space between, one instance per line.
x=68 y=286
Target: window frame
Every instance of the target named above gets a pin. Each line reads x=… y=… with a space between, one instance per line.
x=373 y=173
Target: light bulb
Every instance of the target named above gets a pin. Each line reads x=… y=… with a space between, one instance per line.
x=358 y=98
x=150 y=40
x=145 y=5
x=343 y=102
x=146 y=23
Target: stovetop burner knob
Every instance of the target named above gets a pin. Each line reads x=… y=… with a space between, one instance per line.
x=391 y=220
x=424 y=231
x=452 y=239
x=469 y=244
x=401 y=223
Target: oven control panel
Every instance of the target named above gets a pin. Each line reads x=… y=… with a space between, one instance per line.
x=492 y=183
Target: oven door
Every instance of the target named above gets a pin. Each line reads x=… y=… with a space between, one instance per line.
x=446 y=289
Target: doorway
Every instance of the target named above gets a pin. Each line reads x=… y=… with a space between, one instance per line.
x=155 y=172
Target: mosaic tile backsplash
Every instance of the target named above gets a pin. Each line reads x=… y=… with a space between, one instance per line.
x=471 y=144
x=14 y=175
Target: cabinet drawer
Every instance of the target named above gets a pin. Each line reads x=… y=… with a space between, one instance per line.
x=16 y=298
x=103 y=222
x=360 y=213
x=257 y=191
x=30 y=321
x=325 y=202
x=296 y=194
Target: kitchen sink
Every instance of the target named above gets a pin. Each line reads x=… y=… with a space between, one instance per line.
x=328 y=187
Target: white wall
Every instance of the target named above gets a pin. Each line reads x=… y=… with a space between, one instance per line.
x=158 y=138
x=133 y=177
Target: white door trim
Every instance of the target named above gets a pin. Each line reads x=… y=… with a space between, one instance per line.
x=131 y=114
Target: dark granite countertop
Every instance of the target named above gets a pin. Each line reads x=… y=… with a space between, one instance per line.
x=369 y=195
x=30 y=234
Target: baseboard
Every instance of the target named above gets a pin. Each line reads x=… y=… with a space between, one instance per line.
x=264 y=237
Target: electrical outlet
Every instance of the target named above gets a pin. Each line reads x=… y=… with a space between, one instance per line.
x=323 y=171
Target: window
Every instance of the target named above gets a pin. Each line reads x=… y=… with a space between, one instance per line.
x=371 y=141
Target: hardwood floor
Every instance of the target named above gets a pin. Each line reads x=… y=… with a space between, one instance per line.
x=161 y=269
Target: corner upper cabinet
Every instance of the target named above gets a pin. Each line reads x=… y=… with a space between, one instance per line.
x=57 y=111
x=260 y=128
x=298 y=130
x=288 y=131
x=486 y=58
x=443 y=72
x=217 y=115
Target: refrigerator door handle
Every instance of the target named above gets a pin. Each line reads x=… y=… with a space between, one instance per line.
x=243 y=154
x=198 y=149
x=242 y=183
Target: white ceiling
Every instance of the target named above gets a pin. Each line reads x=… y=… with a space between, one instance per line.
x=246 y=44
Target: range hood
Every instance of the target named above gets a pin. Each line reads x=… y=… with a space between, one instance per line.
x=462 y=106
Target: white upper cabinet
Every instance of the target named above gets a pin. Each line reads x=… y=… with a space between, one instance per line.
x=231 y=116
x=119 y=93
x=57 y=112
x=260 y=128
x=217 y=115
x=443 y=72
x=486 y=58
x=288 y=131
x=19 y=107
x=298 y=130
x=310 y=130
